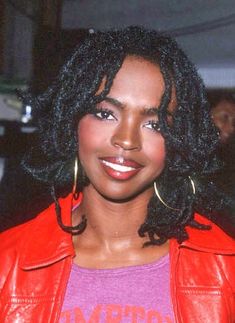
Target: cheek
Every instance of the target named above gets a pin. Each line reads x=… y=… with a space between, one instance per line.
x=155 y=150
x=92 y=135
x=87 y=136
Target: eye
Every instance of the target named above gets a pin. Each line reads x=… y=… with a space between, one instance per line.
x=103 y=114
x=152 y=125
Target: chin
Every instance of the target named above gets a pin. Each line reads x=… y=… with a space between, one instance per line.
x=118 y=198
x=123 y=196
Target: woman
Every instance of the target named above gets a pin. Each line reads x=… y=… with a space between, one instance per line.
x=129 y=111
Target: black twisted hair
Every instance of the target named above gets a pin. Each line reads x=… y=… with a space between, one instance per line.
x=190 y=140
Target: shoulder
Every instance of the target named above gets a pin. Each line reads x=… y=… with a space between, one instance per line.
x=40 y=228
x=46 y=217
x=13 y=238
x=12 y=243
x=214 y=239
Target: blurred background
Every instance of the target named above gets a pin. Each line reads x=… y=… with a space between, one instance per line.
x=37 y=35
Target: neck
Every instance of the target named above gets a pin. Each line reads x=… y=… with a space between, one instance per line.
x=112 y=223
x=111 y=238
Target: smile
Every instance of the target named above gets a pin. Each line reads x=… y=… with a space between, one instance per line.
x=119 y=168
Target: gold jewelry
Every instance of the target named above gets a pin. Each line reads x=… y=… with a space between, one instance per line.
x=164 y=203
x=193 y=185
x=75 y=178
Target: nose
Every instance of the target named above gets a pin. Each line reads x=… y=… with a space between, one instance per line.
x=127 y=136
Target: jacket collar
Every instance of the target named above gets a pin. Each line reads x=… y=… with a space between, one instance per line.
x=46 y=242
x=214 y=240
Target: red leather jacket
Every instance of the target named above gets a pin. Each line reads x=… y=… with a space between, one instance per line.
x=36 y=258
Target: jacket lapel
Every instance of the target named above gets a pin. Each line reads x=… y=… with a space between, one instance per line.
x=46 y=243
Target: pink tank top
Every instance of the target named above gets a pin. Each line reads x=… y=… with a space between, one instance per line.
x=132 y=294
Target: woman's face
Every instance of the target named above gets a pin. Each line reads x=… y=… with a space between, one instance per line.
x=120 y=146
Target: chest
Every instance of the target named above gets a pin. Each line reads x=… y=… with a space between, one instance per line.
x=129 y=294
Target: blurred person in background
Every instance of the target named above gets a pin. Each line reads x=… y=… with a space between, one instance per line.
x=223 y=115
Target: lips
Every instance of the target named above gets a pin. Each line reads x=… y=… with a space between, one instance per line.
x=120 y=168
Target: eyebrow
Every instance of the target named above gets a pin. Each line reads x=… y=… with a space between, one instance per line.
x=152 y=111
x=114 y=102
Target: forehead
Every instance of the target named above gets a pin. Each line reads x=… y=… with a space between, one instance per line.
x=141 y=72
x=137 y=77
x=141 y=79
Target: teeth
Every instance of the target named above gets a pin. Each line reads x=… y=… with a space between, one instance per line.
x=119 y=168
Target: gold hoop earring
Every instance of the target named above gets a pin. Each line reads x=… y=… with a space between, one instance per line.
x=193 y=185
x=75 y=179
x=164 y=203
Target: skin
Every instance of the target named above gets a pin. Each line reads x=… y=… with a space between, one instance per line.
x=223 y=115
x=115 y=208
